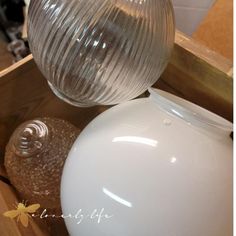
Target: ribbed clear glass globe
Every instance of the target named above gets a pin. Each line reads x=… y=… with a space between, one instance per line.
x=101 y=51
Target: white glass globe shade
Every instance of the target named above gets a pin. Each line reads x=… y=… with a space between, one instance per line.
x=158 y=166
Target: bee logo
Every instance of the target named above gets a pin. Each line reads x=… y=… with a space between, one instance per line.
x=22 y=213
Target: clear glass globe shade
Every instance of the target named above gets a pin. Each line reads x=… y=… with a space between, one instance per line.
x=101 y=52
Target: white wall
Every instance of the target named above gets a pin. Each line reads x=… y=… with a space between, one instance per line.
x=189 y=13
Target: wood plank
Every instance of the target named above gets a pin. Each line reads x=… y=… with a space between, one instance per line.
x=200 y=76
x=203 y=53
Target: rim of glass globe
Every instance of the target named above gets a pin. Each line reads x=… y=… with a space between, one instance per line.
x=70 y=100
x=191 y=113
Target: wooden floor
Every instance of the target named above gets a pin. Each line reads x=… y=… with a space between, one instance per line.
x=6 y=58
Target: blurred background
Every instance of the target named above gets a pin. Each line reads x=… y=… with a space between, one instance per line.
x=208 y=21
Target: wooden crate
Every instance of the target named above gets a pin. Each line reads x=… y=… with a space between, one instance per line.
x=194 y=73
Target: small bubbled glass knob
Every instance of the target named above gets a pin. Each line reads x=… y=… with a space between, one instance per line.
x=103 y=51
x=35 y=157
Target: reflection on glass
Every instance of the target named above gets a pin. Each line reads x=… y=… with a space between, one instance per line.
x=135 y=139
x=117 y=198
x=177 y=113
x=173 y=160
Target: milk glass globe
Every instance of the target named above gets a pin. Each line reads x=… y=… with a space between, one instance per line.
x=100 y=51
x=157 y=166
